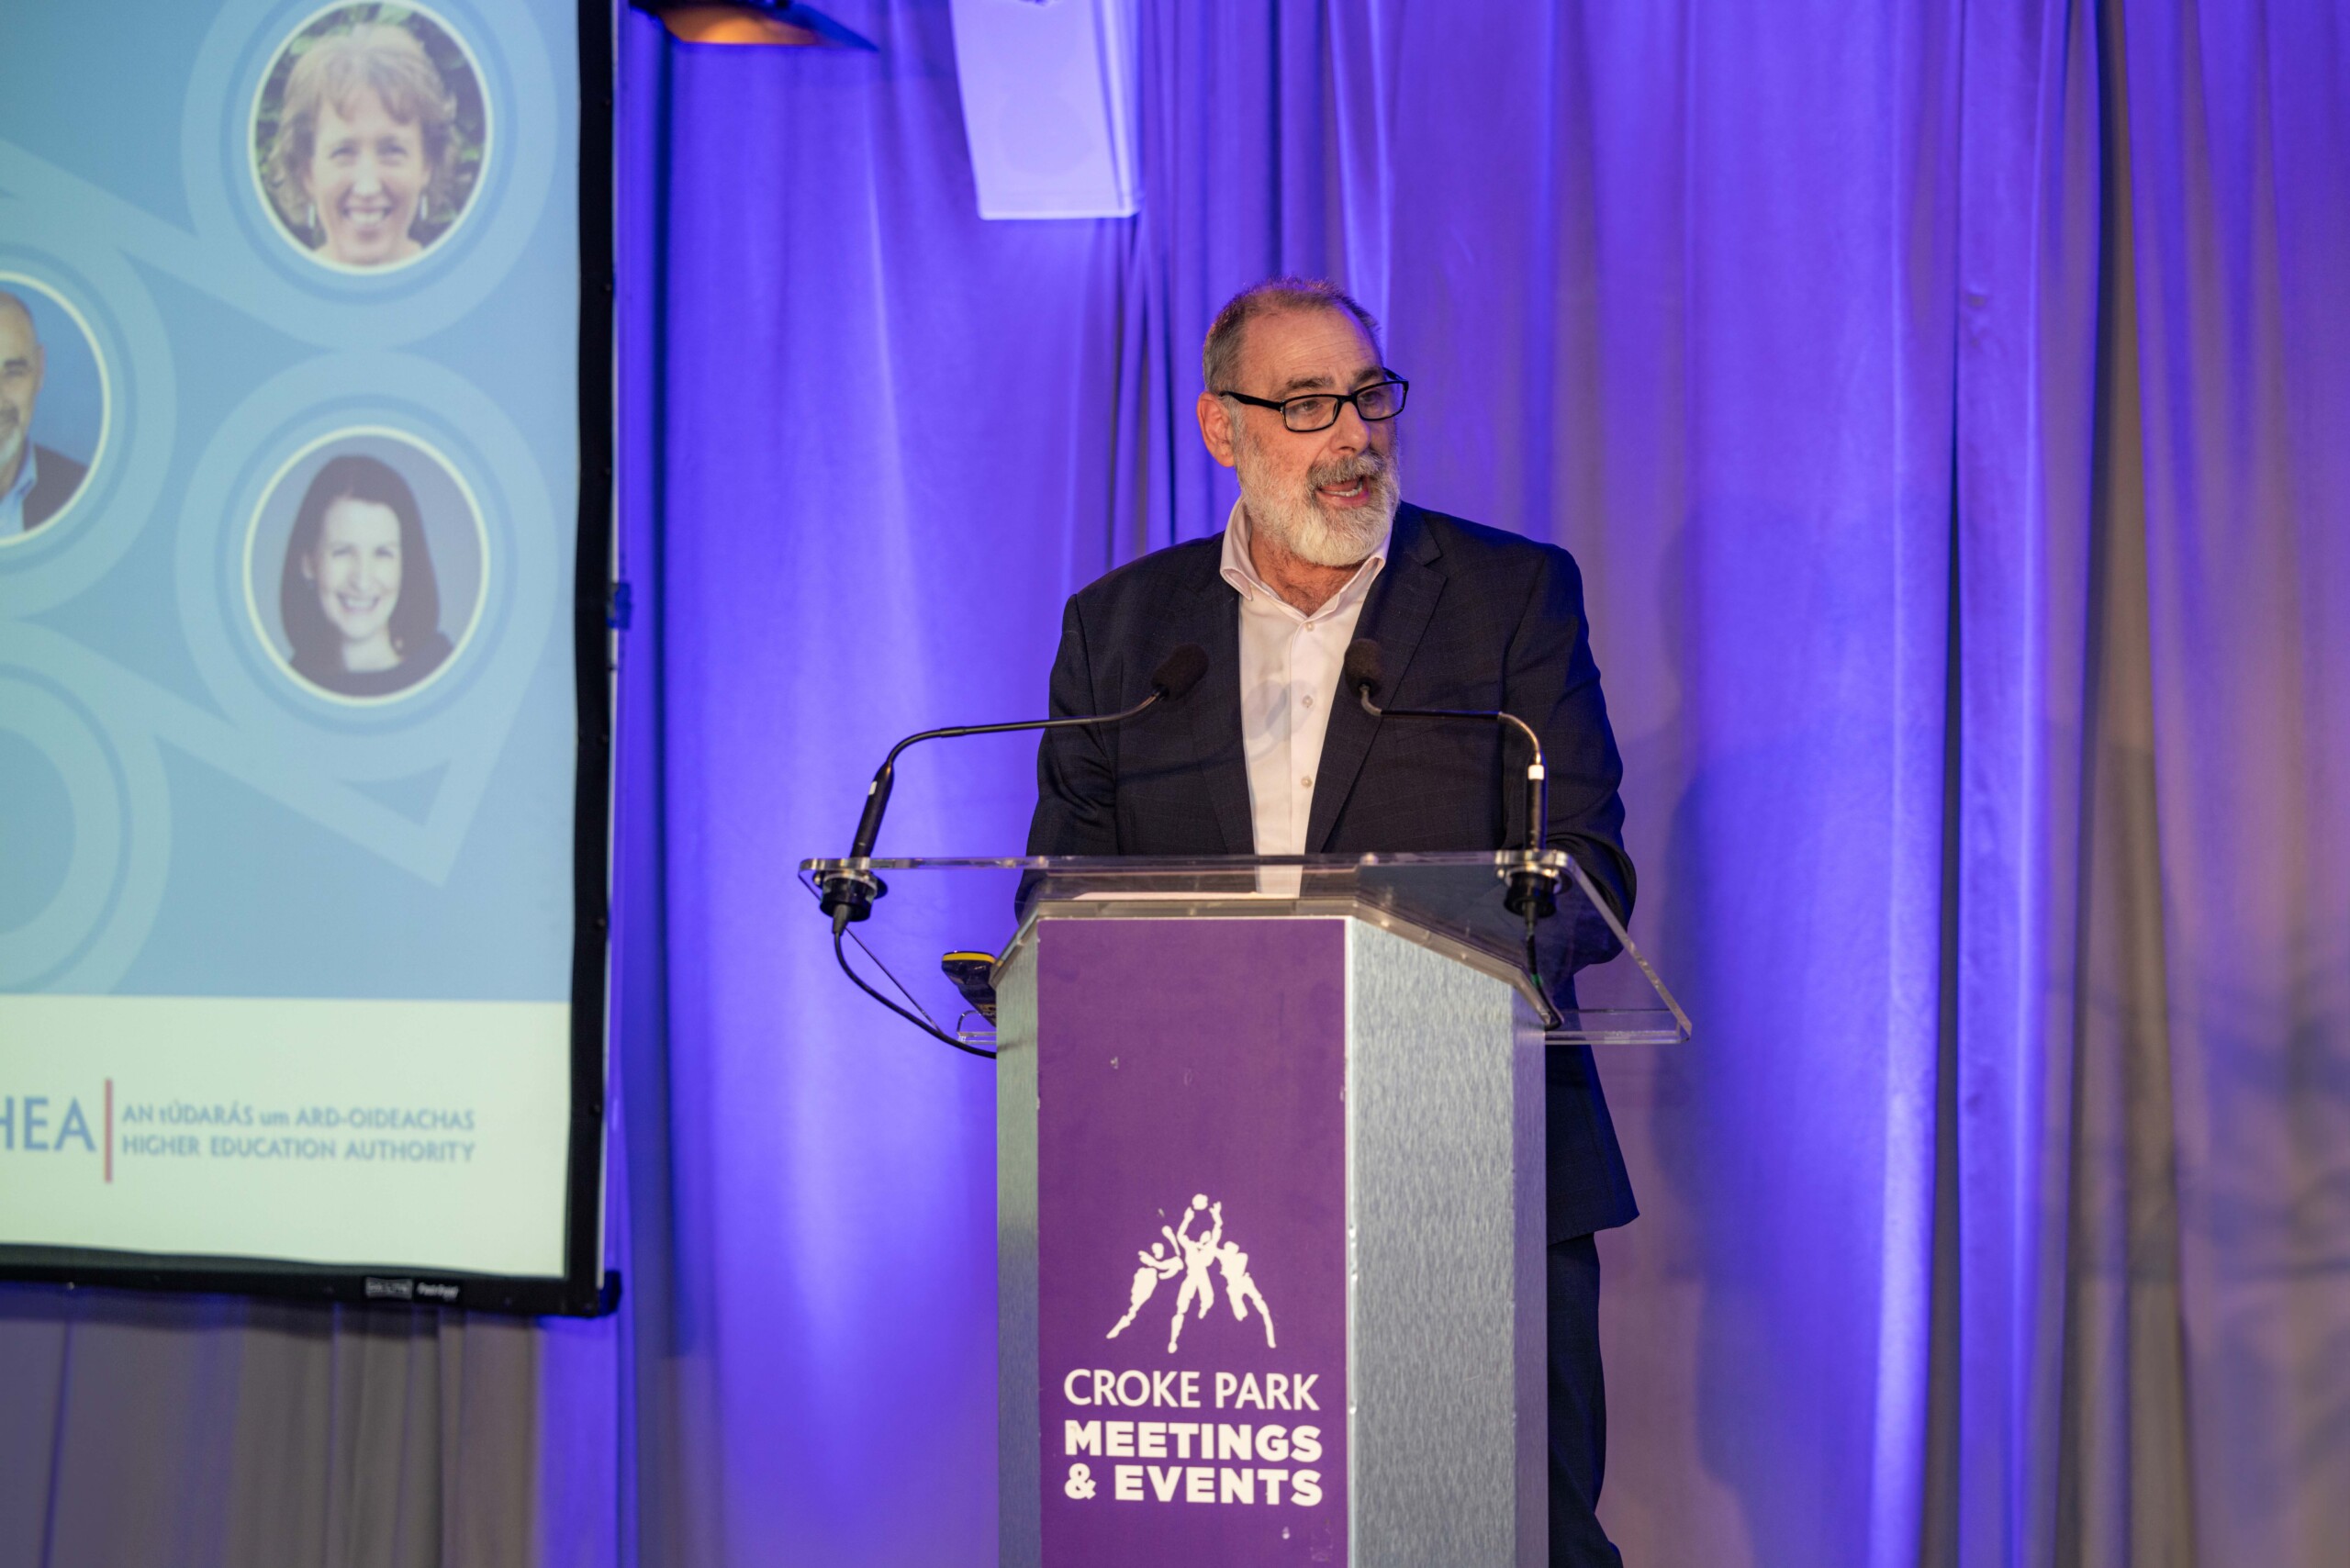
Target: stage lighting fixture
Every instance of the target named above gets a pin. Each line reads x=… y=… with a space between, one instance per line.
x=773 y=23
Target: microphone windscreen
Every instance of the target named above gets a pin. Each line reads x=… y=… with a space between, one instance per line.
x=1362 y=671
x=1180 y=671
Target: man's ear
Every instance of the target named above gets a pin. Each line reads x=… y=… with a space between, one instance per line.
x=1216 y=427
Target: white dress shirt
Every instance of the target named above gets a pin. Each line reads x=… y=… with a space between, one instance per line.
x=12 y=505
x=1289 y=677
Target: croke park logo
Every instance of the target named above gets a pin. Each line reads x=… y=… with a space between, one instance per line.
x=1197 y=1259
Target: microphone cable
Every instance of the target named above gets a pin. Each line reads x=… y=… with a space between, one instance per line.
x=925 y=1025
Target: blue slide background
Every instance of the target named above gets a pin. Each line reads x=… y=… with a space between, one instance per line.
x=178 y=815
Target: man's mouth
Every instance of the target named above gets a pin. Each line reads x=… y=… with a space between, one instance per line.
x=1356 y=484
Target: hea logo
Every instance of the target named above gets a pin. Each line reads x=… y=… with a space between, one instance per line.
x=44 y=1123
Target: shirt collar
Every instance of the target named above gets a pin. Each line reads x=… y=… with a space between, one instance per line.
x=26 y=474
x=1239 y=568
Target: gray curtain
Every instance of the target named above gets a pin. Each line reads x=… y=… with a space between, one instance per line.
x=173 y=1431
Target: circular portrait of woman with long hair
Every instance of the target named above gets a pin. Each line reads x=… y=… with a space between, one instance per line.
x=371 y=132
x=375 y=550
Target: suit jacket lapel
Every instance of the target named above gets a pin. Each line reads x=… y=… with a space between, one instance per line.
x=1213 y=621
x=1394 y=616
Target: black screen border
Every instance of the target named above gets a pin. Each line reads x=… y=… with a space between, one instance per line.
x=582 y=1289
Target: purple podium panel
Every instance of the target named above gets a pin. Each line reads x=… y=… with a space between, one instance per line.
x=1192 y=1246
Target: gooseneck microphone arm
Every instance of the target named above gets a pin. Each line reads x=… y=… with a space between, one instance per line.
x=1533 y=886
x=848 y=892
x=1363 y=673
x=1538 y=783
x=876 y=794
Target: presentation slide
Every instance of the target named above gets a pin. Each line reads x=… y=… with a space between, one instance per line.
x=290 y=738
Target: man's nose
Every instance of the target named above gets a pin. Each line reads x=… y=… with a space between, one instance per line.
x=1350 y=434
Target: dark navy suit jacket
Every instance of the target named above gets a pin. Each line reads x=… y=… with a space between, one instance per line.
x=55 y=478
x=1465 y=617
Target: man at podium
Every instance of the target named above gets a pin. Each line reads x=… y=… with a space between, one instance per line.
x=1275 y=759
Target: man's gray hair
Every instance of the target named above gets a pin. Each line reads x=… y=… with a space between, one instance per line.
x=1221 y=353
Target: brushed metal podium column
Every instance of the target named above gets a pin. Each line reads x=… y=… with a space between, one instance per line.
x=1445 y=1426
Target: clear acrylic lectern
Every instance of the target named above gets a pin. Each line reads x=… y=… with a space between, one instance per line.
x=1269 y=1197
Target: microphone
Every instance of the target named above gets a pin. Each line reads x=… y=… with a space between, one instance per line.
x=1533 y=887
x=848 y=894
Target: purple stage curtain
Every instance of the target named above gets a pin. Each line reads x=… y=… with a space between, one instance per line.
x=870 y=445
x=1945 y=403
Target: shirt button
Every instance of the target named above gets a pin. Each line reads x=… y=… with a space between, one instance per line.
x=1306 y=782
x=1307 y=699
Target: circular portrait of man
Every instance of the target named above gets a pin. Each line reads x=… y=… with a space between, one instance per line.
x=371 y=132
x=52 y=407
x=364 y=567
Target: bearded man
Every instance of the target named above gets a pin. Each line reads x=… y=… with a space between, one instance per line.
x=1271 y=758
x=34 y=482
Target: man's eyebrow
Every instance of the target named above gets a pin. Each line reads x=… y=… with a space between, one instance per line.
x=20 y=362
x=1317 y=382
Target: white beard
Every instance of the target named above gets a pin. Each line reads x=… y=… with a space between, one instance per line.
x=1299 y=522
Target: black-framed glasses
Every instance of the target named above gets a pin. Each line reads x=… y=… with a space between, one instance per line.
x=1319 y=410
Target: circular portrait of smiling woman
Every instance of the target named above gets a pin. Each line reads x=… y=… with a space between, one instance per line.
x=365 y=564
x=370 y=135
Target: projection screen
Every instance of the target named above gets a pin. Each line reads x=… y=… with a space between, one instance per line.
x=304 y=691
